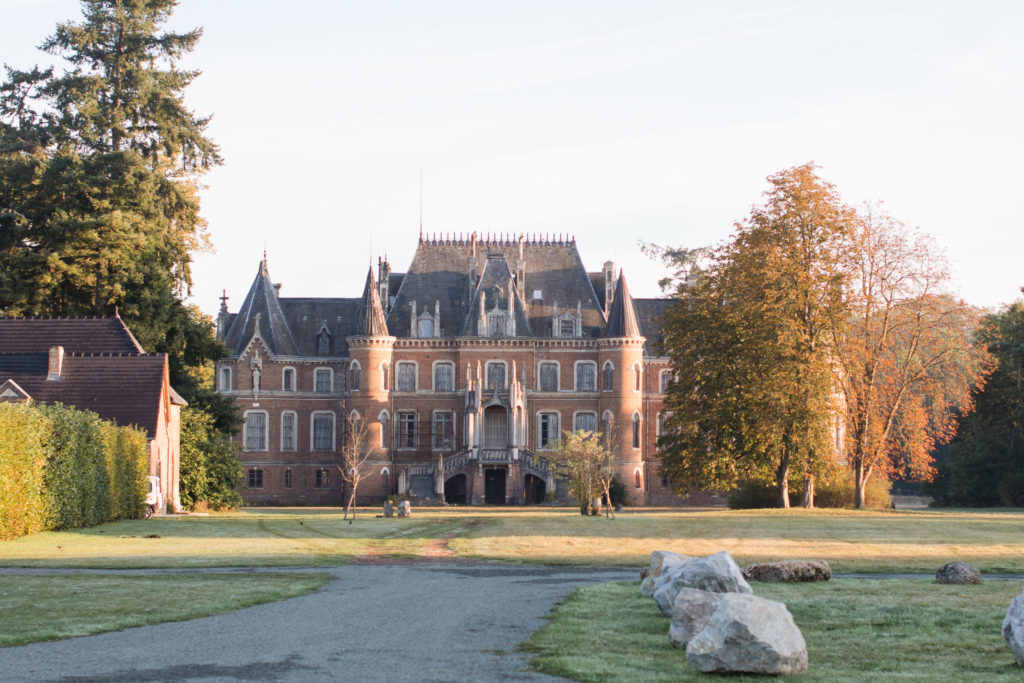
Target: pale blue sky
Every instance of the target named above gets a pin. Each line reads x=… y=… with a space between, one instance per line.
x=610 y=121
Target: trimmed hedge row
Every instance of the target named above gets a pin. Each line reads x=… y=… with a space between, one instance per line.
x=62 y=468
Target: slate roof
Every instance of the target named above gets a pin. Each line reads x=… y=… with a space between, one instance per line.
x=371 y=317
x=622 y=316
x=650 y=314
x=291 y=327
x=493 y=288
x=440 y=272
x=76 y=335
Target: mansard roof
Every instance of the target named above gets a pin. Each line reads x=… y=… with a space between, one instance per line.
x=650 y=314
x=440 y=271
x=622 y=316
x=261 y=311
x=76 y=335
x=371 y=315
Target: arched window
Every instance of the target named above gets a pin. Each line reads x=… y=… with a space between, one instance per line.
x=225 y=379
x=355 y=423
x=384 y=477
x=288 y=379
x=636 y=377
x=609 y=376
x=288 y=477
x=354 y=376
x=425 y=327
x=636 y=430
x=636 y=479
x=385 y=377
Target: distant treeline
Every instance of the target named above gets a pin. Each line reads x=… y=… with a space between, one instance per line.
x=62 y=468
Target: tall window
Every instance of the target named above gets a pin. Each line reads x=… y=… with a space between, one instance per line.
x=549 y=376
x=636 y=377
x=444 y=377
x=322 y=381
x=288 y=478
x=288 y=379
x=354 y=372
x=585 y=422
x=405 y=379
x=636 y=430
x=384 y=479
x=225 y=379
x=660 y=425
x=288 y=431
x=496 y=324
x=407 y=430
x=636 y=479
x=547 y=430
x=606 y=426
x=255 y=478
x=425 y=328
x=256 y=431
x=609 y=377
x=323 y=431
x=566 y=327
x=443 y=431
x=385 y=377
x=495 y=375
x=586 y=376
x=321 y=479
x=666 y=378
x=356 y=424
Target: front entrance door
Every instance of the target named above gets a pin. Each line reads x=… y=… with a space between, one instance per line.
x=494 y=487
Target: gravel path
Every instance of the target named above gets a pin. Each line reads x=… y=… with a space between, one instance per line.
x=428 y=622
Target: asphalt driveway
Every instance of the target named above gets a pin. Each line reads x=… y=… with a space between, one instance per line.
x=435 y=622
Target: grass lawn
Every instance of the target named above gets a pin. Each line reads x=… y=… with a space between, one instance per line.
x=914 y=630
x=851 y=541
x=50 y=607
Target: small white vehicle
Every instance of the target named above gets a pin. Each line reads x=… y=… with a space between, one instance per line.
x=154 y=497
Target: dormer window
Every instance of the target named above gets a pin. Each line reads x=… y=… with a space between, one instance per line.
x=323 y=340
x=566 y=327
x=497 y=323
x=425 y=327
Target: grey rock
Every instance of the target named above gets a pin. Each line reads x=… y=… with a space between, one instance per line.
x=748 y=634
x=716 y=573
x=1013 y=628
x=957 y=572
x=788 y=571
x=660 y=561
x=690 y=613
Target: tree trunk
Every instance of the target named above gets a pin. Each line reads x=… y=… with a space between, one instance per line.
x=782 y=481
x=808 y=498
x=606 y=483
x=860 y=493
x=351 y=504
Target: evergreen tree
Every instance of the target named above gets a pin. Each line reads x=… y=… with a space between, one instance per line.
x=99 y=171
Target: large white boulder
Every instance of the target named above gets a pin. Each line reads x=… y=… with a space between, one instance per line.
x=748 y=634
x=1013 y=628
x=690 y=614
x=716 y=573
x=660 y=561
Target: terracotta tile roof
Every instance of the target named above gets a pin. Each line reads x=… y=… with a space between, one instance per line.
x=76 y=335
x=123 y=388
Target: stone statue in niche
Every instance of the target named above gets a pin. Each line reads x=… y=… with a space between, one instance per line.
x=257 y=368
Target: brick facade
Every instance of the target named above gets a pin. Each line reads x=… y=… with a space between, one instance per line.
x=462 y=368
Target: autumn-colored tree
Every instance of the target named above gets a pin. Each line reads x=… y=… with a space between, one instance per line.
x=903 y=346
x=355 y=452
x=748 y=340
x=585 y=460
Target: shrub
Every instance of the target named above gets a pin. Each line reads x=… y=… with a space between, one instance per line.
x=62 y=468
x=838 y=492
x=754 y=494
x=209 y=469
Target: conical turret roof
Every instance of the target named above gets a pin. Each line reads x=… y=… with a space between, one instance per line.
x=622 y=318
x=371 y=317
x=261 y=310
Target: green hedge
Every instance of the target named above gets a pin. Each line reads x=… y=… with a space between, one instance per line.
x=62 y=468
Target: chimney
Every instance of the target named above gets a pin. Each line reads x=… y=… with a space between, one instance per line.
x=609 y=286
x=56 y=362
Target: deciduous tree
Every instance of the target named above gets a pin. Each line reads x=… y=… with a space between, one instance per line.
x=585 y=460
x=355 y=452
x=748 y=338
x=904 y=349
